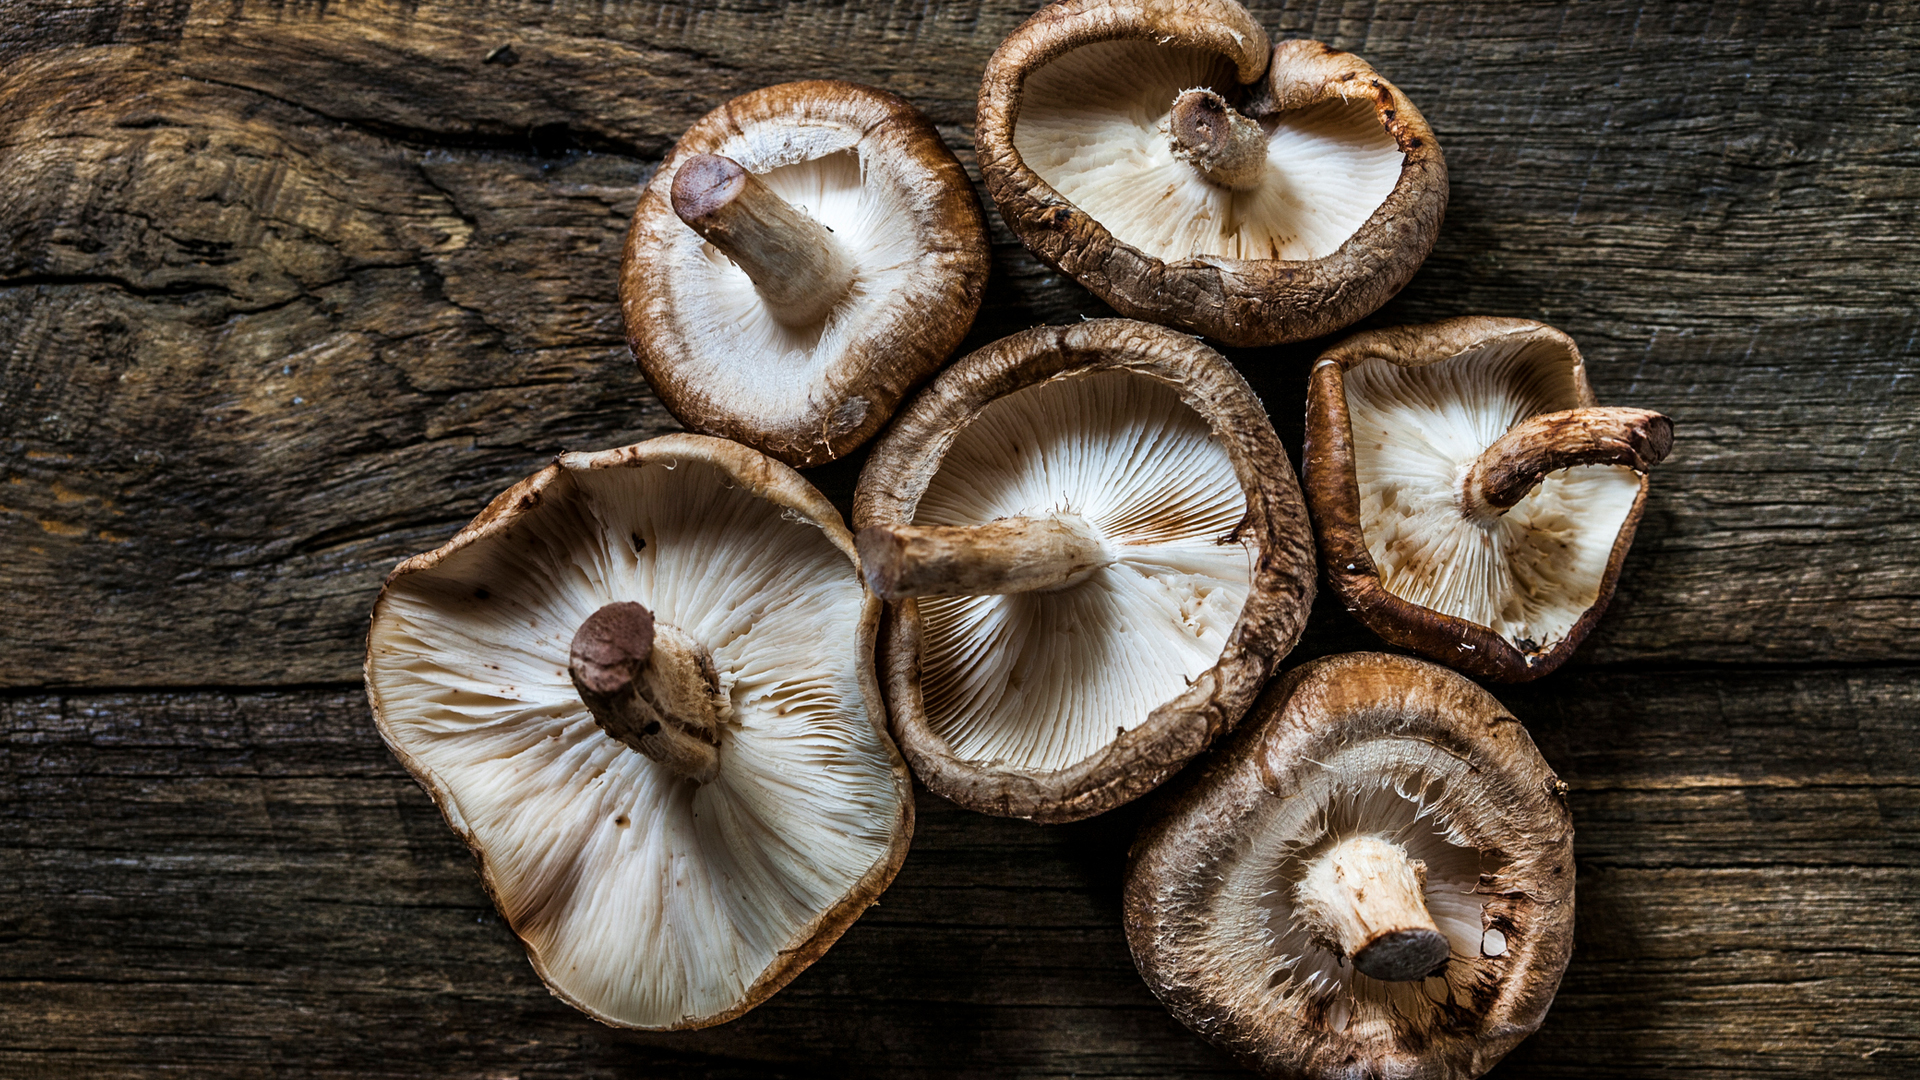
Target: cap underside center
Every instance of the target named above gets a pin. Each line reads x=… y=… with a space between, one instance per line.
x=1039 y=681
x=1093 y=125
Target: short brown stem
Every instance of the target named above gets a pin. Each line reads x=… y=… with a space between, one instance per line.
x=651 y=687
x=1228 y=148
x=1517 y=461
x=1364 y=898
x=800 y=270
x=1011 y=555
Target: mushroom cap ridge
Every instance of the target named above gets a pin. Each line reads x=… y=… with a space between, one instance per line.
x=1184 y=860
x=753 y=475
x=1237 y=301
x=834 y=386
x=903 y=465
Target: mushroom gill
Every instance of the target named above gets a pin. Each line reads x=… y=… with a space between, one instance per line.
x=648 y=893
x=1095 y=125
x=1040 y=680
x=1372 y=877
x=1529 y=573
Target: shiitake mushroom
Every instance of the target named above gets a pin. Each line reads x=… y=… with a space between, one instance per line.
x=640 y=687
x=806 y=255
x=1096 y=552
x=1373 y=877
x=1168 y=159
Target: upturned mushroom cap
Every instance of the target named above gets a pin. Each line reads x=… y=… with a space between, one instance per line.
x=1158 y=566
x=1294 y=197
x=655 y=884
x=1347 y=764
x=841 y=257
x=1470 y=499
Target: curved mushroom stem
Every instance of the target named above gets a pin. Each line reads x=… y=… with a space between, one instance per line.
x=1516 y=463
x=800 y=270
x=652 y=687
x=1228 y=148
x=1010 y=555
x=1364 y=898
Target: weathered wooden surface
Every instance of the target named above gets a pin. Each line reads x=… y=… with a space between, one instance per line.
x=287 y=290
x=221 y=881
x=291 y=290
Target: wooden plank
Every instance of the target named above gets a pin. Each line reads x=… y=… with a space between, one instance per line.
x=288 y=291
x=235 y=884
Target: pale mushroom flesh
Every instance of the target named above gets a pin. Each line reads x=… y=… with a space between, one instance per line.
x=1407 y=792
x=735 y=340
x=644 y=898
x=1093 y=124
x=1528 y=574
x=1040 y=680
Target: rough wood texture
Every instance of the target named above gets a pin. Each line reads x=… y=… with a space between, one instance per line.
x=288 y=290
x=224 y=884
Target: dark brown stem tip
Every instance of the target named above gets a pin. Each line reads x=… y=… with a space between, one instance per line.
x=1402 y=955
x=706 y=183
x=1658 y=441
x=1200 y=119
x=611 y=648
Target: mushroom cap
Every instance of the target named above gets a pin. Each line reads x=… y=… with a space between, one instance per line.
x=1393 y=417
x=1070 y=137
x=1055 y=706
x=1352 y=745
x=644 y=900
x=872 y=169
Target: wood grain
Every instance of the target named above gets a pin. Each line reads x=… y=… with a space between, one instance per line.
x=287 y=291
x=224 y=884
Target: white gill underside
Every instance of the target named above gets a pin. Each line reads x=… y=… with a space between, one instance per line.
x=1040 y=681
x=1403 y=790
x=644 y=897
x=1091 y=126
x=1528 y=575
x=761 y=367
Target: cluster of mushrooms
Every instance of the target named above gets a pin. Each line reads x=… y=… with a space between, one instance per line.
x=671 y=700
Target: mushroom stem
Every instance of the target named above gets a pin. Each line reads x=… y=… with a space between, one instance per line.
x=1363 y=898
x=1516 y=463
x=1010 y=555
x=1227 y=147
x=651 y=687
x=800 y=270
